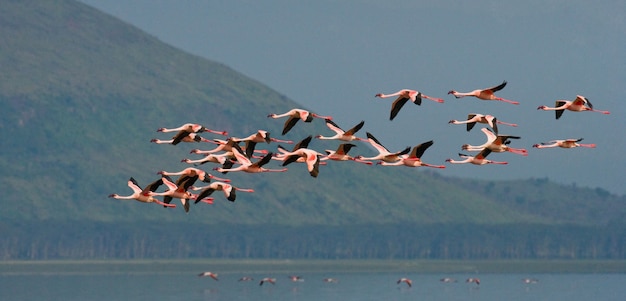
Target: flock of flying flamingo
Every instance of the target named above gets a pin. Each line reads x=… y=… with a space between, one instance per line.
x=242 y=155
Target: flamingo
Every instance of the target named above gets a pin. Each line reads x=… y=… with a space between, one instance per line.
x=579 y=104
x=192 y=128
x=142 y=195
x=566 y=143
x=474 y=118
x=341 y=154
x=414 y=158
x=408 y=281
x=485 y=94
x=182 y=136
x=245 y=278
x=474 y=280
x=227 y=189
x=209 y=274
x=177 y=191
x=341 y=134
x=383 y=153
x=295 y=278
x=530 y=280
x=311 y=158
x=267 y=279
x=496 y=143
x=330 y=280
x=247 y=166
x=294 y=116
x=479 y=159
x=219 y=159
x=259 y=137
x=447 y=280
x=190 y=172
x=405 y=95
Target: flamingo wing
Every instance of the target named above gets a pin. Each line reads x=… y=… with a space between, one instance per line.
x=376 y=144
x=334 y=127
x=397 y=105
x=180 y=136
x=419 y=150
x=205 y=194
x=356 y=128
x=558 y=113
x=498 y=87
x=289 y=123
x=303 y=144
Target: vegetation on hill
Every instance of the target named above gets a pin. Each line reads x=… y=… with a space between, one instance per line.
x=83 y=93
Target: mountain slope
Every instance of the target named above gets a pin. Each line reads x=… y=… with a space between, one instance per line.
x=83 y=93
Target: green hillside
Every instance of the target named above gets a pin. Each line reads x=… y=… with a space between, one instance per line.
x=83 y=93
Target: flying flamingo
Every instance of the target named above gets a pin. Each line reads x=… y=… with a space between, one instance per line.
x=405 y=95
x=383 y=153
x=479 y=159
x=246 y=278
x=182 y=136
x=267 y=279
x=295 y=278
x=192 y=128
x=294 y=116
x=142 y=195
x=310 y=157
x=330 y=280
x=259 y=137
x=496 y=143
x=485 y=94
x=177 y=191
x=567 y=143
x=473 y=280
x=414 y=158
x=209 y=274
x=579 y=104
x=341 y=134
x=247 y=166
x=191 y=172
x=341 y=154
x=474 y=118
x=408 y=281
x=227 y=189
x=447 y=280
x=219 y=159
x=530 y=280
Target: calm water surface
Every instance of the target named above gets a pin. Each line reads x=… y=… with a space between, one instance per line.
x=114 y=285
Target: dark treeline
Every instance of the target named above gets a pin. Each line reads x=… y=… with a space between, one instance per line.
x=78 y=240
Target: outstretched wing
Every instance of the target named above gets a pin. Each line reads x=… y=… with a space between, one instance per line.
x=396 y=106
x=498 y=87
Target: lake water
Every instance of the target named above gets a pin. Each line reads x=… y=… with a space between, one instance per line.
x=171 y=284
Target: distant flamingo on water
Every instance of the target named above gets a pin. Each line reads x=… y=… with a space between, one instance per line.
x=473 y=280
x=474 y=118
x=267 y=279
x=294 y=116
x=566 y=143
x=209 y=274
x=405 y=95
x=579 y=104
x=142 y=195
x=485 y=94
x=408 y=281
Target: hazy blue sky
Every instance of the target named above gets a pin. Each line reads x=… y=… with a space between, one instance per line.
x=334 y=56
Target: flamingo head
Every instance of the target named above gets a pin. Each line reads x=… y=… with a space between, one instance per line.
x=113 y=195
x=379 y=163
x=451 y=92
x=271 y=116
x=379 y=95
x=535 y=145
x=448 y=160
x=464 y=146
x=541 y=108
x=452 y=121
x=185 y=160
x=153 y=140
x=162 y=172
x=160 y=129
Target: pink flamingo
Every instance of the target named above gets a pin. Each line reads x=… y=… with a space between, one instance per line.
x=267 y=279
x=474 y=118
x=310 y=157
x=405 y=95
x=259 y=137
x=341 y=154
x=192 y=128
x=566 y=143
x=247 y=166
x=177 y=191
x=579 y=104
x=485 y=94
x=294 y=116
x=414 y=158
x=142 y=195
x=227 y=189
x=473 y=280
x=408 y=281
x=182 y=136
x=341 y=134
x=219 y=159
x=496 y=143
x=383 y=153
x=479 y=159
x=191 y=172
x=209 y=274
